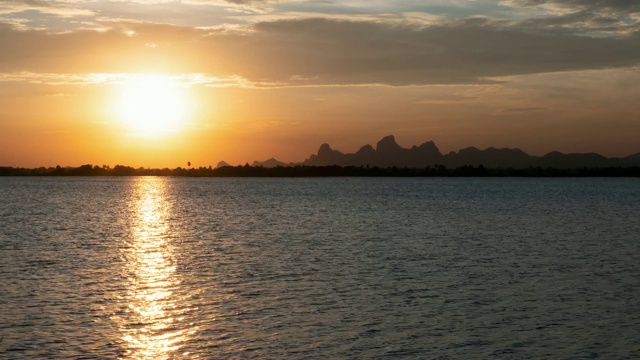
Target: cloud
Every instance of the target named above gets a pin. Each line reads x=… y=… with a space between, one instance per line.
x=250 y=6
x=617 y=17
x=577 y=5
x=520 y=110
x=42 y=6
x=317 y=52
x=32 y=3
x=57 y=79
x=244 y=2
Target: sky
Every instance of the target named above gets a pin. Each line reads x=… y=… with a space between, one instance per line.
x=159 y=83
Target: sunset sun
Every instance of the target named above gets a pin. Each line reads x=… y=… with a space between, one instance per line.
x=151 y=105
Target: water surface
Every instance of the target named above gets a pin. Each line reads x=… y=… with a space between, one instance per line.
x=170 y=268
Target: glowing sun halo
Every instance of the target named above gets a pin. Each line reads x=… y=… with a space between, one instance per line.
x=151 y=105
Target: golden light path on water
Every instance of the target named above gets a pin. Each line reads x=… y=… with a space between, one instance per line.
x=152 y=327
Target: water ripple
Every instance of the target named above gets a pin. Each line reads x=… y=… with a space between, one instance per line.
x=165 y=268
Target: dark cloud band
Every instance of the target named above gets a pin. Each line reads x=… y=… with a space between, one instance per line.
x=320 y=52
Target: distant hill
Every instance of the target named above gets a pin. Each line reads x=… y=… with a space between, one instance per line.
x=270 y=163
x=388 y=153
x=222 y=164
x=631 y=160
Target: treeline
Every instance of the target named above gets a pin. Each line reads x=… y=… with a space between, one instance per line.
x=323 y=171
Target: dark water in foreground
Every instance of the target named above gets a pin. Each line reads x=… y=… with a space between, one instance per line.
x=339 y=268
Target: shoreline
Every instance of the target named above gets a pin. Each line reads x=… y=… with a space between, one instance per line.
x=321 y=171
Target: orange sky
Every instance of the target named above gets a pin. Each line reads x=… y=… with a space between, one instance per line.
x=242 y=81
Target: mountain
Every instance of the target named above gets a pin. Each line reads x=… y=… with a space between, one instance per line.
x=630 y=160
x=559 y=160
x=326 y=156
x=388 y=153
x=270 y=163
x=491 y=158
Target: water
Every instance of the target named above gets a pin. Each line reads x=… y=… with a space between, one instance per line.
x=340 y=268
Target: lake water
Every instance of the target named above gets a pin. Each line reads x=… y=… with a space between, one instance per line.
x=319 y=268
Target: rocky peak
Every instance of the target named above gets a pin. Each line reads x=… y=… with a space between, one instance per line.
x=367 y=149
x=324 y=150
x=429 y=147
x=388 y=144
x=469 y=150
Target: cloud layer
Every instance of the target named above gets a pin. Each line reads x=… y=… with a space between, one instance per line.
x=319 y=51
x=583 y=16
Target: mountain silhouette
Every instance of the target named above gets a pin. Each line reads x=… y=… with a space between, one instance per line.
x=491 y=157
x=388 y=153
x=559 y=160
x=222 y=164
x=270 y=163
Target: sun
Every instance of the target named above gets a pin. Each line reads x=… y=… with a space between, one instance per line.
x=151 y=105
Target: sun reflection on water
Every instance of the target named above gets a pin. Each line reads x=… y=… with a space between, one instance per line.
x=152 y=325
